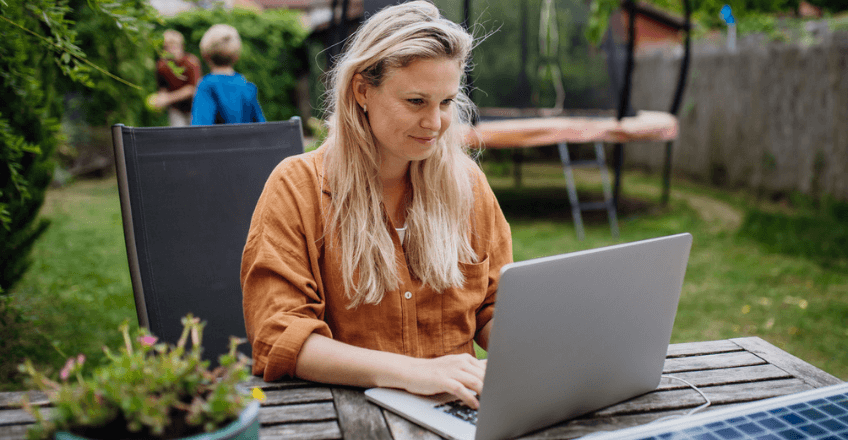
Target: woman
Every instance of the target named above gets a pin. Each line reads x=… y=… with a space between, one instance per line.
x=374 y=260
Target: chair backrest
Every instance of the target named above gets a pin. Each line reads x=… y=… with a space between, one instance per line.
x=187 y=197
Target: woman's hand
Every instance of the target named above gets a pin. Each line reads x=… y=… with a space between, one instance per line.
x=460 y=375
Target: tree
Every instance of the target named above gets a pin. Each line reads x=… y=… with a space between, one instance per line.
x=39 y=49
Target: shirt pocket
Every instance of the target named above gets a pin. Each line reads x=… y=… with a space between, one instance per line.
x=460 y=306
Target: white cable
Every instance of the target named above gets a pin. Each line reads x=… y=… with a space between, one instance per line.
x=693 y=410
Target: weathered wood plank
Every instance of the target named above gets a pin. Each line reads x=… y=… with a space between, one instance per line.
x=813 y=376
x=688 y=398
x=12 y=399
x=297 y=395
x=586 y=425
x=306 y=412
x=724 y=376
x=700 y=348
x=711 y=362
x=15 y=432
x=302 y=431
x=359 y=418
x=19 y=416
x=403 y=429
x=281 y=384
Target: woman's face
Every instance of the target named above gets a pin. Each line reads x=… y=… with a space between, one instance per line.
x=410 y=110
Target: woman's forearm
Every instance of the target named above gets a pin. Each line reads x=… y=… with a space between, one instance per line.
x=326 y=360
x=322 y=359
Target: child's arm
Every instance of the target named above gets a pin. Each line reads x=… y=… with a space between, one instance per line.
x=203 y=108
x=257 y=115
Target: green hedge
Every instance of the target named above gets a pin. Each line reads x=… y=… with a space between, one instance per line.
x=271 y=45
x=40 y=60
x=29 y=128
x=124 y=49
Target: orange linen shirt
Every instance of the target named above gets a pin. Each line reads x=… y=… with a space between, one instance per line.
x=291 y=288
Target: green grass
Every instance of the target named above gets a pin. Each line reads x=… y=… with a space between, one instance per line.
x=78 y=290
x=757 y=268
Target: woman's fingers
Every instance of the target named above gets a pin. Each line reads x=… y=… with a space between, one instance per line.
x=469 y=381
x=467 y=396
x=459 y=375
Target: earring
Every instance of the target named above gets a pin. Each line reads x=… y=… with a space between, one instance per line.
x=364 y=108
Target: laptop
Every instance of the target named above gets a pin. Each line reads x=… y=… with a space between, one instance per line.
x=572 y=334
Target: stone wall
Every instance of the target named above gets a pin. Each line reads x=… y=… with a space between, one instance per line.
x=772 y=117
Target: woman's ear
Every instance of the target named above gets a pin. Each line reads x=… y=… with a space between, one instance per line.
x=360 y=90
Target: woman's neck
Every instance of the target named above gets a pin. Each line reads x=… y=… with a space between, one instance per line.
x=395 y=193
x=222 y=70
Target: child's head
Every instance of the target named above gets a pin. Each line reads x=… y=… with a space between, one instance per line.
x=221 y=45
x=172 y=42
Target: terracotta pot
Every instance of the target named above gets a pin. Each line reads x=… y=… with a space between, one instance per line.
x=246 y=427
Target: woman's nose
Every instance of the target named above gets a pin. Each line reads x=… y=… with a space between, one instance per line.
x=432 y=119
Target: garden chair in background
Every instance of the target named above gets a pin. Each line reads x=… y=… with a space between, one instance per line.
x=187 y=197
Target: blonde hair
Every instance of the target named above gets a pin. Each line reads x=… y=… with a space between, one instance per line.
x=171 y=35
x=221 y=45
x=439 y=214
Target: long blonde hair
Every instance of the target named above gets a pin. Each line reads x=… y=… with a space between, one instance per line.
x=438 y=216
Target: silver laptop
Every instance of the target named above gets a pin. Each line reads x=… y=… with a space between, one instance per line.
x=572 y=333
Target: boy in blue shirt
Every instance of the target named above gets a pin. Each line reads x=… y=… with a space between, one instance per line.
x=224 y=96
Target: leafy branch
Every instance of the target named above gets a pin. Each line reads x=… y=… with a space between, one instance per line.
x=70 y=51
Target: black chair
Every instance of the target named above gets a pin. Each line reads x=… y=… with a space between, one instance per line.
x=187 y=197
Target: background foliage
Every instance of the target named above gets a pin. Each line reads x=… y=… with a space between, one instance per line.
x=497 y=59
x=124 y=46
x=92 y=62
x=40 y=53
x=498 y=63
x=272 y=46
x=751 y=16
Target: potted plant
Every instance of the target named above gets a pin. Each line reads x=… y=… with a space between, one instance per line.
x=147 y=389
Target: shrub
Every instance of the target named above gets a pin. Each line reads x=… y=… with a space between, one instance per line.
x=29 y=127
x=39 y=47
x=124 y=47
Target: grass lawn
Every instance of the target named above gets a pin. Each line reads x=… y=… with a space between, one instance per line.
x=78 y=290
x=756 y=268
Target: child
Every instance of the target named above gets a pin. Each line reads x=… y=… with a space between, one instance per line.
x=224 y=96
x=176 y=90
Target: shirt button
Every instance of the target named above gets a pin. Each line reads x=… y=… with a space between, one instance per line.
x=407 y=295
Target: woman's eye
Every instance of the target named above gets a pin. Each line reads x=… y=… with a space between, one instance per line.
x=415 y=101
x=447 y=101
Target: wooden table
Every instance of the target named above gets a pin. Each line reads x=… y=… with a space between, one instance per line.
x=728 y=371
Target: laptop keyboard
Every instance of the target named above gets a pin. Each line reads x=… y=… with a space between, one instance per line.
x=459 y=410
x=824 y=418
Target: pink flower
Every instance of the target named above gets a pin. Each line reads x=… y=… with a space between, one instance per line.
x=66 y=370
x=147 y=340
x=80 y=359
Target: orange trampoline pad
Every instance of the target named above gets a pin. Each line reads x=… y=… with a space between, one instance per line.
x=534 y=132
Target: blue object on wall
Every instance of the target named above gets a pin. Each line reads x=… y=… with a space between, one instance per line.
x=727 y=15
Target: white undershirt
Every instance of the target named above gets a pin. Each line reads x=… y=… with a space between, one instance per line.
x=401 y=232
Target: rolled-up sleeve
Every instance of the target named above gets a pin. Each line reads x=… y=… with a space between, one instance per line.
x=280 y=277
